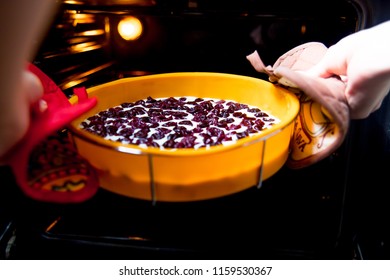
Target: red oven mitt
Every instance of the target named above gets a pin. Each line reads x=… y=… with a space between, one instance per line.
x=323 y=120
x=44 y=162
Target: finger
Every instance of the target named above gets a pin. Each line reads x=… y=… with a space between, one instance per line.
x=334 y=63
x=32 y=87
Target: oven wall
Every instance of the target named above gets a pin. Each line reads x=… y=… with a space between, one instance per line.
x=83 y=46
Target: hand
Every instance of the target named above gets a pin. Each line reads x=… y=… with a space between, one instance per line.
x=25 y=22
x=362 y=61
x=16 y=110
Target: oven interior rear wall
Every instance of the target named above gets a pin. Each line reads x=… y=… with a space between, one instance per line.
x=212 y=36
x=296 y=214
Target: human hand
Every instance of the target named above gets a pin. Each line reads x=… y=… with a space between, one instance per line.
x=16 y=112
x=25 y=23
x=362 y=61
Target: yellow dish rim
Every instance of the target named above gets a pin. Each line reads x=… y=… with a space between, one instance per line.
x=181 y=152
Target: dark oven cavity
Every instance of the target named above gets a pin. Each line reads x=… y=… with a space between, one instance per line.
x=296 y=214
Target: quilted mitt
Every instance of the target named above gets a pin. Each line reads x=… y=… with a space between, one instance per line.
x=323 y=120
x=45 y=163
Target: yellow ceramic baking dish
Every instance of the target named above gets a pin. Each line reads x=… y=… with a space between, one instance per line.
x=189 y=174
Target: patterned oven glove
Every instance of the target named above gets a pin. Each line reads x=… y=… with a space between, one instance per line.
x=323 y=120
x=44 y=162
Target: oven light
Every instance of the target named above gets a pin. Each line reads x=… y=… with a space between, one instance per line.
x=303 y=29
x=130 y=28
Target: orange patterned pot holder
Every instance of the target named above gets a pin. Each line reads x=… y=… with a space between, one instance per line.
x=323 y=120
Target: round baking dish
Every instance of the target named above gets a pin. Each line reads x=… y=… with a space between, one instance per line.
x=189 y=174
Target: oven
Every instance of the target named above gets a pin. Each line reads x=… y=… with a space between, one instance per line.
x=334 y=209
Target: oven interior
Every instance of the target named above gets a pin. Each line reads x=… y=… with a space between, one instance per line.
x=335 y=209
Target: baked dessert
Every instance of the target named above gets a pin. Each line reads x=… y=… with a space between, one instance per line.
x=179 y=122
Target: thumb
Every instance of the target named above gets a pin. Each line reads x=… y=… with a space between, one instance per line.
x=334 y=63
x=32 y=87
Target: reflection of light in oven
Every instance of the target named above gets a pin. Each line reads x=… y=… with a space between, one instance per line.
x=303 y=29
x=95 y=32
x=130 y=28
x=76 y=19
x=74 y=2
x=75 y=80
x=141 y=3
x=137 y=238
x=84 y=47
x=52 y=224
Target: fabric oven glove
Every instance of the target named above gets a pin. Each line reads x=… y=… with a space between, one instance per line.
x=323 y=120
x=44 y=162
